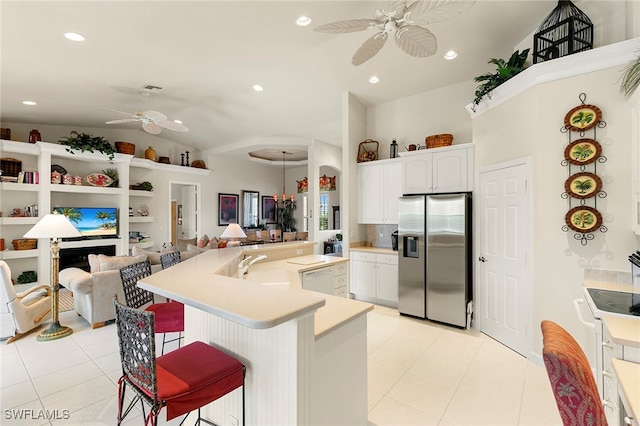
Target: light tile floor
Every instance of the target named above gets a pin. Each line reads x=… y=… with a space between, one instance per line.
x=420 y=373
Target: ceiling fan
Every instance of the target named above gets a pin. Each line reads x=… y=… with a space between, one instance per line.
x=152 y=121
x=405 y=20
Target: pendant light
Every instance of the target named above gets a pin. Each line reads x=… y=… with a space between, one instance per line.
x=284 y=193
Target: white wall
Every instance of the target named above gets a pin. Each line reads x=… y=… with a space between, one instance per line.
x=529 y=125
x=354 y=118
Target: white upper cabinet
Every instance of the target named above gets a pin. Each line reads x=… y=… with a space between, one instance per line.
x=379 y=187
x=438 y=170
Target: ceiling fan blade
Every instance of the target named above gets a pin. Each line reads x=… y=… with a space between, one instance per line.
x=153 y=116
x=369 y=49
x=416 y=41
x=348 y=26
x=121 y=112
x=427 y=12
x=395 y=8
x=123 y=120
x=151 y=128
x=172 y=125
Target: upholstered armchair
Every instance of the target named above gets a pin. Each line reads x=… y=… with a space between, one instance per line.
x=22 y=311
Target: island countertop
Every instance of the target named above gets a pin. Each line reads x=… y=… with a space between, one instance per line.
x=196 y=282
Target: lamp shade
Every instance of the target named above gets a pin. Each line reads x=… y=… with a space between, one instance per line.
x=53 y=225
x=233 y=231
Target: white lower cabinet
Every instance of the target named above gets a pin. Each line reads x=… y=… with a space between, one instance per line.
x=374 y=277
x=329 y=280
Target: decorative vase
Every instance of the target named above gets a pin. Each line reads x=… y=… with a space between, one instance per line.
x=34 y=136
x=150 y=154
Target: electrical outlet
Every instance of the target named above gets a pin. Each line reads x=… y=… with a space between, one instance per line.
x=298 y=251
x=380 y=234
x=234 y=421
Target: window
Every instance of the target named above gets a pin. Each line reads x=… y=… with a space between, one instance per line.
x=305 y=213
x=324 y=212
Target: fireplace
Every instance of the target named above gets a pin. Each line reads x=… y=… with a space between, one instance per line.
x=78 y=257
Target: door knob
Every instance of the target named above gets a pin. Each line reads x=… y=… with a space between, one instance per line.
x=482 y=259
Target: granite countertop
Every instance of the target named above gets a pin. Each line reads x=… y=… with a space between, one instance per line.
x=379 y=250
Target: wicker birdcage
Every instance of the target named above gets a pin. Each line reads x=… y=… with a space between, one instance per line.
x=566 y=30
x=368 y=151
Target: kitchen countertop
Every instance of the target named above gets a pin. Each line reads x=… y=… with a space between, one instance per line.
x=248 y=303
x=628 y=374
x=380 y=250
x=624 y=330
x=337 y=310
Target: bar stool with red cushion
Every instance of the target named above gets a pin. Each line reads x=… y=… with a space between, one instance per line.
x=572 y=381
x=183 y=380
x=169 y=316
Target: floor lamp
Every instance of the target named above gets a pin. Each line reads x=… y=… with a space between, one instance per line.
x=54 y=226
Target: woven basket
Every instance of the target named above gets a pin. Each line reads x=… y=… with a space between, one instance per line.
x=26 y=244
x=368 y=151
x=438 y=141
x=125 y=148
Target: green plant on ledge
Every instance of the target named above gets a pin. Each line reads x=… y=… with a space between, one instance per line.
x=85 y=142
x=113 y=174
x=505 y=71
x=27 y=277
x=631 y=77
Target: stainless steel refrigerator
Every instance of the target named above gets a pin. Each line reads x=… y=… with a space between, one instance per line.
x=434 y=257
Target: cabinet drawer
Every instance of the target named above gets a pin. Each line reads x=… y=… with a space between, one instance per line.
x=340 y=281
x=362 y=256
x=340 y=268
x=341 y=291
x=387 y=259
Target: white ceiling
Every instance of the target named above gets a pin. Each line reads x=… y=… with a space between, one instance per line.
x=208 y=54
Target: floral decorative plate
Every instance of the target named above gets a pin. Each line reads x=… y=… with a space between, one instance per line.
x=98 y=179
x=583 y=185
x=583 y=219
x=582 y=151
x=582 y=118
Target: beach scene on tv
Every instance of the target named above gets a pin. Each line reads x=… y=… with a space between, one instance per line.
x=92 y=221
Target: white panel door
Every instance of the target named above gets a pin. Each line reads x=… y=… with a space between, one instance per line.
x=504 y=296
x=189 y=213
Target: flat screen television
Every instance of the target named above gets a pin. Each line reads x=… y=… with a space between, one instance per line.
x=93 y=222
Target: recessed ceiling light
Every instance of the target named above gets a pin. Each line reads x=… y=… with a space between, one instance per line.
x=177 y=121
x=30 y=103
x=258 y=88
x=74 y=36
x=303 y=21
x=451 y=54
x=374 y=79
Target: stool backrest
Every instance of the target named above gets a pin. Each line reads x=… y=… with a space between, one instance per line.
x=169 y=259
x=136 y=338
x=135 y=297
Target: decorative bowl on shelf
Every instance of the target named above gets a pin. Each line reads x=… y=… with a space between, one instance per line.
x=99 y=179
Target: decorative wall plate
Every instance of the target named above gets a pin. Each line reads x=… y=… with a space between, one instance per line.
x=582 y=151
x=582 y=118
x=583 y=185
x=583 y=219
x=98 y=179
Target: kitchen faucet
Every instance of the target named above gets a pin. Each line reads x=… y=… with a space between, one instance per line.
x=246 y=262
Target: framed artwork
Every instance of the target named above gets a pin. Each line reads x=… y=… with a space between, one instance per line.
x=227 y=209
x=268 y=209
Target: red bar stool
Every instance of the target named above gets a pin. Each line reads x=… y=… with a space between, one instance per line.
x=183 y=380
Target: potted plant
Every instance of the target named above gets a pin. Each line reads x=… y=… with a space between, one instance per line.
x=113 y=174
x=631 y=77
x=284 y=214
x=85 y=142
x=505 y=71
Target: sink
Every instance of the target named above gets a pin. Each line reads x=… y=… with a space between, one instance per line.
x=273 y=277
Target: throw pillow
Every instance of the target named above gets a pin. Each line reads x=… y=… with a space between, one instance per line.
x=154 y=258
x=196 y=249
x=204 y=241
x=182 y=244
x=114 y=263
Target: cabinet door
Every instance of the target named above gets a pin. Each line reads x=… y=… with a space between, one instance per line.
x=450 y=171
x=370 y=183
x=363 y=278
x=416 y=177
x=387 y=288
x=393 y=191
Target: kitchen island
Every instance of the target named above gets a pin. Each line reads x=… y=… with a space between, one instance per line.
x=305 y=352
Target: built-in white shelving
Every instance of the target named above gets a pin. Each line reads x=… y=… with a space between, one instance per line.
x=140 y=219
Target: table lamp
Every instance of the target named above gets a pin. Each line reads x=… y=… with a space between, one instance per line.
x=233 y=231
x=54 y=226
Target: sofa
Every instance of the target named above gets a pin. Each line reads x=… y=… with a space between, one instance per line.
x=93 y=291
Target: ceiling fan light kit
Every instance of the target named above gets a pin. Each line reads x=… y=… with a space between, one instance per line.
x=405 y=22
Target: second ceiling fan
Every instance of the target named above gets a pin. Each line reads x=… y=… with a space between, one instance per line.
x=404 y=20
x=152 y=121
